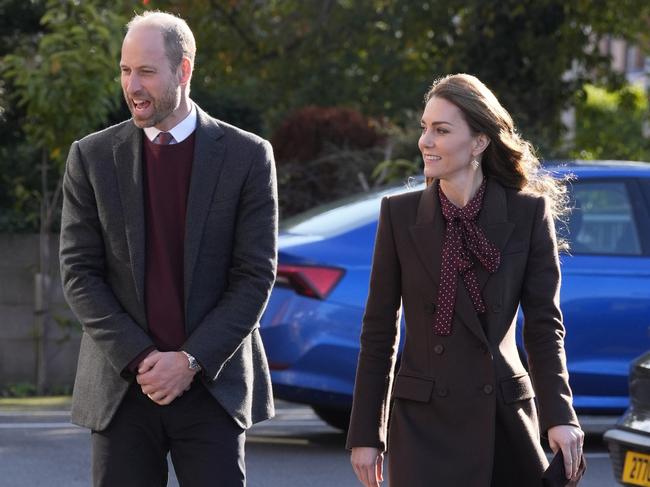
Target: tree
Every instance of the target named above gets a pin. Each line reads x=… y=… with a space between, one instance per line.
x=66 y=85
x=536 y=55
x=379 y=56
x=259 y=61
x=19 y=178
x=611 y=124
x=323 y=154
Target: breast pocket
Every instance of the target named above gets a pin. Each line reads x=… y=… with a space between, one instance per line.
x=514 y=248
x=221 y=203
x=219 y=229
x=222 y=211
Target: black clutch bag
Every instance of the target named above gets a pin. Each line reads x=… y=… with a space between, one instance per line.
x=555 y=476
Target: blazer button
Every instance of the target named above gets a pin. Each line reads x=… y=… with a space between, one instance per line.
x=488 y=389
x=442 y=391
x=439 y=349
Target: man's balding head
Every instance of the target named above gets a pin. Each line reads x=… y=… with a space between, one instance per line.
x=177 y=36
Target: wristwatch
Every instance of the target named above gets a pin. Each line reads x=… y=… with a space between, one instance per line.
x=193 y=363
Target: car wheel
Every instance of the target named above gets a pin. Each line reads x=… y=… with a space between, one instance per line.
x=337 y=418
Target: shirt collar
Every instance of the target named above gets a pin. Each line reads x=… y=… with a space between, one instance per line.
x=181 y=131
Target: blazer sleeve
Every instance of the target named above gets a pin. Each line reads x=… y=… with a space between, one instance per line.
x=252 y=270
x=543 y=329
x=82 y=262
x=379 y=339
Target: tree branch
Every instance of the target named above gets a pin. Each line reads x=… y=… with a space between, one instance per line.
x=237 y=28
x=290 y=46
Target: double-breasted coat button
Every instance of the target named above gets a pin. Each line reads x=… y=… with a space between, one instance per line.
x=438 y=349
x=488 y=389
x=442 y=391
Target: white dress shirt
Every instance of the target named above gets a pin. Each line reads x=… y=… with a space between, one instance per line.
x=181 y=131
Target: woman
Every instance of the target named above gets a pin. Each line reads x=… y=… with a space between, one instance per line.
x=459 y=258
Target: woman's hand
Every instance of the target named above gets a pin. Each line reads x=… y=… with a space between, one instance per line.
x=367 y=463
x=570 y=440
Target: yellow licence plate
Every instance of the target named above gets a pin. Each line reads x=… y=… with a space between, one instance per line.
x=636 y=469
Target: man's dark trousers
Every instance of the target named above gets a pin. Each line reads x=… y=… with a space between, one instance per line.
x=206 y=445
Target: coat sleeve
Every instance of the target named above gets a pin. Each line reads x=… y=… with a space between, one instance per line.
x=379 y=339
x=543 y=328
x=252 y=270
x=83 y=272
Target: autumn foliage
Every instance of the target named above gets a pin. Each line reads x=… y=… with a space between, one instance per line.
x=304 y=134
x=324 y=153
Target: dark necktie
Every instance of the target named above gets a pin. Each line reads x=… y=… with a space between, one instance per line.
x=462 y=237
x=164 y=138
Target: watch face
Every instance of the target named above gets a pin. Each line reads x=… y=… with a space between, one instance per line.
x=194 y=364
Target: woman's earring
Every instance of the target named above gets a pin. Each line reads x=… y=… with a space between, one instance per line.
x=475 y=163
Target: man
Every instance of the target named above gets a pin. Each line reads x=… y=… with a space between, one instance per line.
x=168 y=256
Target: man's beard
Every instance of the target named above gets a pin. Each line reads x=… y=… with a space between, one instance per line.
x=162 y=107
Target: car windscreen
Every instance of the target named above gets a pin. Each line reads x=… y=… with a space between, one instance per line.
x=345 y=214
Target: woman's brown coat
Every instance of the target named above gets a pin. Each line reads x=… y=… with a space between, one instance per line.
x=449 y=390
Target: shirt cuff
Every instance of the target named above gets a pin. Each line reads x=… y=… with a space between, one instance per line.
x=135 y=363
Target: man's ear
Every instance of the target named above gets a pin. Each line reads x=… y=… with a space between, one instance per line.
x=185 y=71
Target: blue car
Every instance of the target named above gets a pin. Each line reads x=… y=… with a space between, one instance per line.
x=313 y=320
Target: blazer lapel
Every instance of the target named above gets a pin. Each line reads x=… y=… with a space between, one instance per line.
x=493 y=219
x=428 y=231
x=127 y=157
x=206 y=167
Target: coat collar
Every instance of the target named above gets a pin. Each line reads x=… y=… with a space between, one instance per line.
x=209 y=151
x=428 y=231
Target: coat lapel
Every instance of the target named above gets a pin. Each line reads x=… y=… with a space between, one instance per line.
x=209 y=152
x=428 y=231
x=127 y=157
x=493 y=219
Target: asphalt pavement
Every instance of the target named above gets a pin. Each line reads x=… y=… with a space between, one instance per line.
x=41 y=448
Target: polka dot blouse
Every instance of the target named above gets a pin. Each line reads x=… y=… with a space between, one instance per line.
x=464 y=244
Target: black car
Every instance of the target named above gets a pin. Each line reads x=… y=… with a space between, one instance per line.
x=629 y=441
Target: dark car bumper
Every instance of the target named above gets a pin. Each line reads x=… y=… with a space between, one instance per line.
x=629 y=442
x=630 y=454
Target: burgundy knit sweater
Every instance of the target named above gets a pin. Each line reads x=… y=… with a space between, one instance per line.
x=167 y=170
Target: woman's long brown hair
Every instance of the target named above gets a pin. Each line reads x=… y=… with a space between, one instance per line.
x=509 y=158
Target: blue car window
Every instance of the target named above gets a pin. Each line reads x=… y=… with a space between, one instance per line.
x=602 y=220
x=338 y=217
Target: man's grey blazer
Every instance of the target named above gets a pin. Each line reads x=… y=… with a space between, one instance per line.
x=230 y=256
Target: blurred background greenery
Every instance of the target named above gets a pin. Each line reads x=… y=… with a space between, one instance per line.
x=337 y=85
